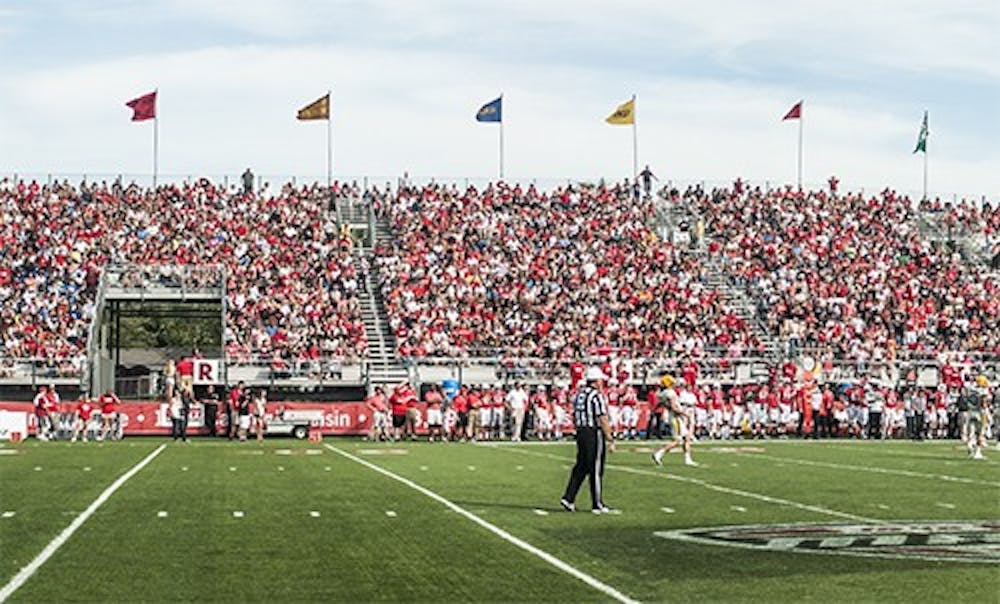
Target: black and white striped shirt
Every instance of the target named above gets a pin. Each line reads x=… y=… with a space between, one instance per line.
x=588 y=405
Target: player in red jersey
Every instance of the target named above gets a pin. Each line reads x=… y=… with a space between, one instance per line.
x=43 y=421
x=629 y=402
x=435 y=417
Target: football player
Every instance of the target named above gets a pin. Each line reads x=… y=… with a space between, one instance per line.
x=681 y=409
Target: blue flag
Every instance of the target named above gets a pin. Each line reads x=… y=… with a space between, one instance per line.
x=490 y=112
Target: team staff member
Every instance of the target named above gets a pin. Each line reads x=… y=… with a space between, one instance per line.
x=397 y=404
x=210 y=403
x=593 y=437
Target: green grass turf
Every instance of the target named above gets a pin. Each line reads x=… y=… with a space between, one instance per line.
x=355 y=552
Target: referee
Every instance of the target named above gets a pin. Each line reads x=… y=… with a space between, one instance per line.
x=593 y=438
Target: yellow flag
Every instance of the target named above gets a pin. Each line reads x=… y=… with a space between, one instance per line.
x=624 y=114
x=317 y=110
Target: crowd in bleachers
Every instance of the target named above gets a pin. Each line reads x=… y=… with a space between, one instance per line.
x=852 y=276
x=291 y=277
x=558 y=274
x=507 y=270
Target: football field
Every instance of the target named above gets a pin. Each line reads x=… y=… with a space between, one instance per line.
x=348 y=520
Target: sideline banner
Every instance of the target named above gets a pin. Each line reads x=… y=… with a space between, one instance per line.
x=153 y=417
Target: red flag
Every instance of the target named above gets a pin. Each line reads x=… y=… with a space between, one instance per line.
x=143 y=107
x=794 y=113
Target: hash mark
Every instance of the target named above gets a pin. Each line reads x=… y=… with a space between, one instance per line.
x=668 y=510
x=161 y=514
x=238 y=514
x=390 y=513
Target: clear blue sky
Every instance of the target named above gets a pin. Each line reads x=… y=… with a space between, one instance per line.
x=713 y=79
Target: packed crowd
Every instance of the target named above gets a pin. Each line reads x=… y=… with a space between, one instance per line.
x=562 y=274
x=574 y=272
x=850 y=276
x=291 y=277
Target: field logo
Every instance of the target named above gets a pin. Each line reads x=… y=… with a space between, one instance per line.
x=952 y=541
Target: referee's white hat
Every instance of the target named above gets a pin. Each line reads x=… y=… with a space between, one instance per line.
x=595 y=373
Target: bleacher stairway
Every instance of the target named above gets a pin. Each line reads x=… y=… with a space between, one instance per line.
x=384 y=365
x=673 y=217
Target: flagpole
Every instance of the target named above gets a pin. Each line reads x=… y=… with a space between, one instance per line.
x=925 y=172
x=635 y=145
x=501 y=143
x=156 y=137
x=329 y=140
x=801 y=119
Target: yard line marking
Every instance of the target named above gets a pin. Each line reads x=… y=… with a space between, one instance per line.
x=390 y=513
x=314 y=514
x=9 y=514
x=737 y=508
x=668 y=510
x=161 y=514
x=948 y=506
x=840 y=466
x=541 y=512
x=25 y=573
x=719 y=488
x=547 y=557
x=238 y=514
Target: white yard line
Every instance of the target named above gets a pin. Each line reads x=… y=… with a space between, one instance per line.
x=605 y=589
x=25 y=573
x=718 y=488
x=841 y=466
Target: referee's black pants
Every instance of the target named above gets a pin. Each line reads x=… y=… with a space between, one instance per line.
x=590 y=450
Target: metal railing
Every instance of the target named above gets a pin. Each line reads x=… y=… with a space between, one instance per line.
x=233 y=181
x=188 y=279
x=40 y=370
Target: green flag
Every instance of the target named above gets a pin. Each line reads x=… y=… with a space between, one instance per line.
x=922 y=137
